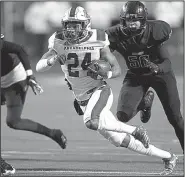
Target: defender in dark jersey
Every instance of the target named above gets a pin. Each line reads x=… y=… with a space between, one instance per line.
x=141 y=43
x=16 y=77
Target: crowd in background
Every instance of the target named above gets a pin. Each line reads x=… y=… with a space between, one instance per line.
x=31 y=23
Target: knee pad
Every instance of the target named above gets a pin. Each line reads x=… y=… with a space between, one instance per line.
x=114 y=138
x=123 y=117
x=92 y=124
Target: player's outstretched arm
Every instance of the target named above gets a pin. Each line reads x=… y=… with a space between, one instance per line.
x=47 y=61
x=106 y=55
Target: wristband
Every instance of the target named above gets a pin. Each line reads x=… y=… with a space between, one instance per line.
x=29 y=72
x=109 y=74
x=51 y=61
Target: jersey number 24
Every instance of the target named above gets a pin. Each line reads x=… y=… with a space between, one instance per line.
x=85 y=63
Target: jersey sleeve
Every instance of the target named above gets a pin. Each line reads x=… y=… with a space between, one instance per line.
x=51 y=41
x=111 y=38
x=102 y=37
x=161 y=32
x=17 y=49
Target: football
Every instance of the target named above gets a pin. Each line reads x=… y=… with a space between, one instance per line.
x=100 y=66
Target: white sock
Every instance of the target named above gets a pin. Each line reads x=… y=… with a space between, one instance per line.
x=137 y=146
x=108 y=122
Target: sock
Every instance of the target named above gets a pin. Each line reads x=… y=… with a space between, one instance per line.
x=138 y=147
x=108 y=122
x=29 y=125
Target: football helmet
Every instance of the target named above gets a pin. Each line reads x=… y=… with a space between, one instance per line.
x=75 y=24
x=133 y=18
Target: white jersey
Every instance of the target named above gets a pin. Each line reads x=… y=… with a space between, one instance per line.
x=77 y=58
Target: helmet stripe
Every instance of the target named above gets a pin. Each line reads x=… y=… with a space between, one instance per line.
x=72 y=12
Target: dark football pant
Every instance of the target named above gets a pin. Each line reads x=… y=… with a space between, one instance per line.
x=134 y=88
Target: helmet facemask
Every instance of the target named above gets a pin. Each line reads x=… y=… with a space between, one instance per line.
x=75 y=30
x=133 y=18
x=133 y=25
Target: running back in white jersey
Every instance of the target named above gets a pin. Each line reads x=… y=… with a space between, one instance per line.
x=77 y=58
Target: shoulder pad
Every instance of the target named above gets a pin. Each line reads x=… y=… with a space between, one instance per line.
x=100 y=35
x=112 y=32
x=59 y=35
x=161 y=30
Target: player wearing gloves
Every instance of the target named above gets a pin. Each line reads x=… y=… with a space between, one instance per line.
x=142 y=44
x=87 y=62
x=16 y=77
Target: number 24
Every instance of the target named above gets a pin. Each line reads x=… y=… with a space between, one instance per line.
x=85 y=63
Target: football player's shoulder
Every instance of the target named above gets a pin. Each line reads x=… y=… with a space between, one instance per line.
x=113 y=31
x=98 y=34
x=160 y=30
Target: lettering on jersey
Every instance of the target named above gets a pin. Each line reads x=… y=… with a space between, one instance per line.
x=79 y=48
x=138 y=53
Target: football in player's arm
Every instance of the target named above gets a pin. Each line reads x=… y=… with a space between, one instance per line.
x=80 y=49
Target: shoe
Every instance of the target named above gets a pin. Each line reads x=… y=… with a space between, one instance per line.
x=60 y=138
x=141 y=134
x=169 y=165
x=145 y=112
x=6 y=169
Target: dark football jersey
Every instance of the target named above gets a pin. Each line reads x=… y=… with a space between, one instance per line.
x=11 y=55
x=136 y=49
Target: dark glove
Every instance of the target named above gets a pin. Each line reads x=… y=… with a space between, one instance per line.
x=36 y=88
x=154 y=68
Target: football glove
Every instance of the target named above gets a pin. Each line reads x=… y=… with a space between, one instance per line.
x=36 y=88
x=98 y=70
x=154 y=68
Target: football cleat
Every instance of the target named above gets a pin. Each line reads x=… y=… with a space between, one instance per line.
x=145 y=112
x=59 y=137
x=141 y=134
x=6 y=169
x=169 y=165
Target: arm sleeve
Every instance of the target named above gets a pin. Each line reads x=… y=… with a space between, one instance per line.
x=11 y=47
x=165 y=63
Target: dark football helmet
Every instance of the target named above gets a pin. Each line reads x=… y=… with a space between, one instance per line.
x=132 y=13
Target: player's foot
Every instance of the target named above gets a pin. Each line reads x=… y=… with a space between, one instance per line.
x=6 y=169
x=145 y=112
x=169 y=165
x=59 y=137
x=141 y=134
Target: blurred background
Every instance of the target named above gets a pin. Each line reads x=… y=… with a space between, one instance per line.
x=32 y=23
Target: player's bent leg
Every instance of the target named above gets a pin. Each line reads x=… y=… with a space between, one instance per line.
x=134 y=145
x=166 y=89
x=146 y=106
x=15 y=102
x=98 y=115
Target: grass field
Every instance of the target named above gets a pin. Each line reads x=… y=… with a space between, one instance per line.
x=87 y=153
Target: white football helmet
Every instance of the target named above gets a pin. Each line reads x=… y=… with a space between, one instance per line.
x=75 y=24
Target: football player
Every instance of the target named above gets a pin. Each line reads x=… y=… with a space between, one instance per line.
x=80 y=50
x=16 y=77
x=142 y=44
x=6 y=168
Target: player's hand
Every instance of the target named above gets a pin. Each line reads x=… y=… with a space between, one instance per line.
x=154 y=68
x=94 y=74
x=36 y=88
x=96 y=71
